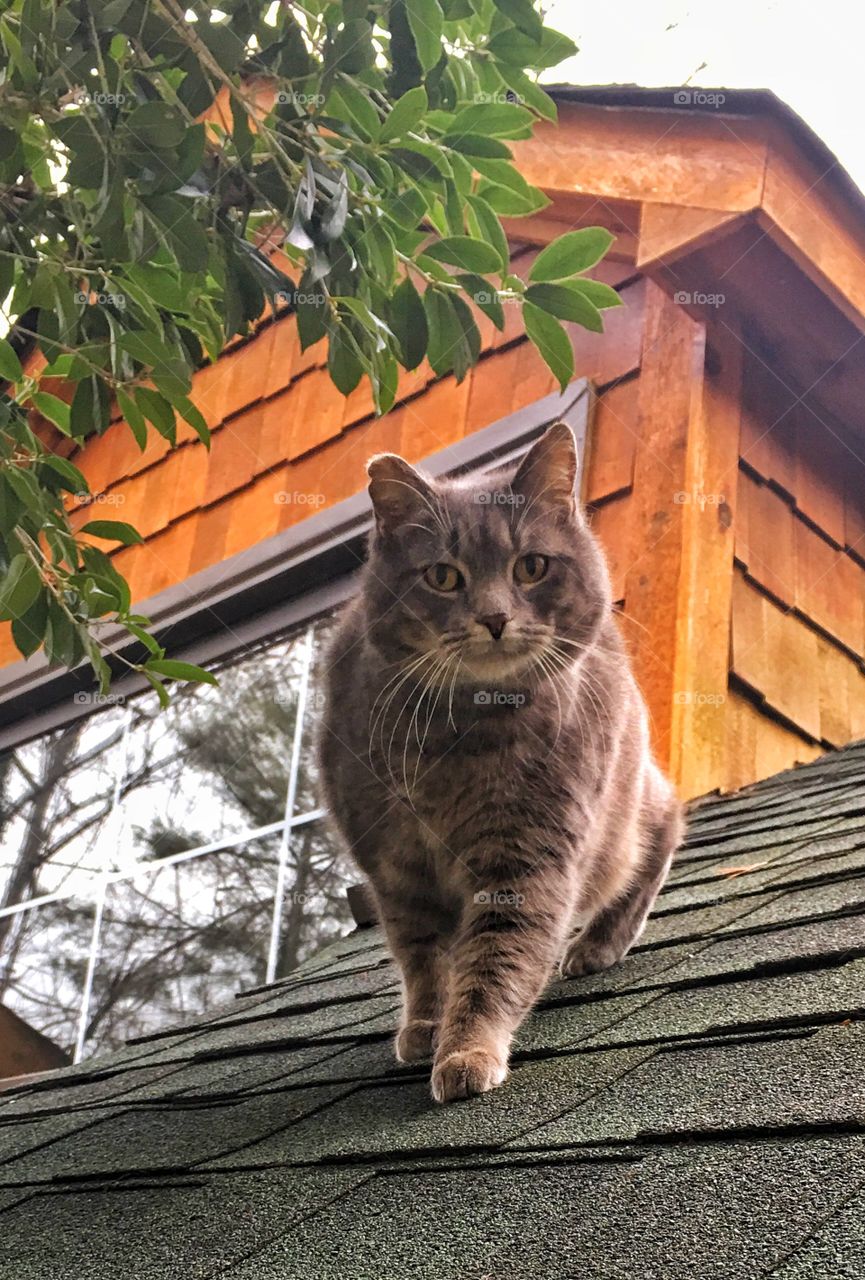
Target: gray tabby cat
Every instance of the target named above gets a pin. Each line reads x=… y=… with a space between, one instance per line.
x=486 y=756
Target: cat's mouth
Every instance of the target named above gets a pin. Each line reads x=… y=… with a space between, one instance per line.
x=496 y=660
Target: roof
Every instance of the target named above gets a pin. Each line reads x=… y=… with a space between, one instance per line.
x=696 y=1112
x=698 y=99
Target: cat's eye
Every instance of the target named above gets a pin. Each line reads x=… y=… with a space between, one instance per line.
x=531 y=568
x=444 y=577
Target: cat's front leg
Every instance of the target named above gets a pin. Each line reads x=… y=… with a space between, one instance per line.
x=502 y=958
x=415 y=929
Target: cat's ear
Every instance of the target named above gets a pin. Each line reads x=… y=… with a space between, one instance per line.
x=547 y=474
x=399 y=494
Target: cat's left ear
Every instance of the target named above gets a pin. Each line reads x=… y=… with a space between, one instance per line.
x=399 y=494
x=547 y=474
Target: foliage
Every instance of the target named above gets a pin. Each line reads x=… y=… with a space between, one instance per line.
x=369 y=139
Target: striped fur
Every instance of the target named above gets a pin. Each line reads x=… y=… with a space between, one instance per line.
x=499 y=793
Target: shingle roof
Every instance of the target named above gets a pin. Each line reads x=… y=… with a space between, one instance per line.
x=696 y=1112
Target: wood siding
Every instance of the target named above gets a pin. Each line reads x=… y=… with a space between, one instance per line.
x=798 y=617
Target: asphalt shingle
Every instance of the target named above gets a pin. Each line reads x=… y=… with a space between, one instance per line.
x=695 y=1113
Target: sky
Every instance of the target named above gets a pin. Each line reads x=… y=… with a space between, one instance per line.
x=811 y=56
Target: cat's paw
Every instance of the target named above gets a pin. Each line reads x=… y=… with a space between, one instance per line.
x=584 y=957
x=415 y=1041
x=463 y=1074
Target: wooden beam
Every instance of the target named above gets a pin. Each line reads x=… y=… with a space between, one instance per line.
x=704 y=604
x=669 y=404
x=673 y=156
x=667 y=231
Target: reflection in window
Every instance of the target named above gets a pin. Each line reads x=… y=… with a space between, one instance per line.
x=149 y=843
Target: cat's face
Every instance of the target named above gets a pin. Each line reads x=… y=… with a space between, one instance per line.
x=493 y=575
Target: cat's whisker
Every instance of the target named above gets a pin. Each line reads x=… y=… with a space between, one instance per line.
x=396 y=724
x=414 y=725
x=451 y=720
x=380 y=724
x=404 y=671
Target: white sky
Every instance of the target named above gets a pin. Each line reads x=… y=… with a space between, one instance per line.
x=811 y=55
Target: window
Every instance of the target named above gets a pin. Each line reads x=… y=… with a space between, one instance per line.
x=153 y=863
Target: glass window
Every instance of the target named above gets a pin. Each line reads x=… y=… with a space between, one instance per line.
x=140 y=873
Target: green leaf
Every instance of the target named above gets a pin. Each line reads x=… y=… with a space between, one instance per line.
x=157 y=410
x=566 y=303
x=467 y=348
x=385 y=379
x=10 y=365
x=524 y=15
x=352 y=104
x=134 y=417
x=113 y=531
x=186 y=235
x=405 y=114
x=494 y=120
x=161 y=691
x=485 y=296
x=54 y=409
x=551 y=341
x=408 y=323
x=426 y=20
x=76 y=482
x=464 y=252
x=20 y=586
x=343 y=364
x=473 y=144
x=572 y=253
x=156 y=125
x=89 y=409
x=312 y=312
x=597 y=292
x=486 y=226
x=442 y=330
x=144 y=636
x=28 y=630
x=174 y=670
x=193 y=415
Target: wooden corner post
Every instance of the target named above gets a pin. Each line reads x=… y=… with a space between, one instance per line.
x=679 y=579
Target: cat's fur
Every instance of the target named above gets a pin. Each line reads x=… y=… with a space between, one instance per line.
x=499 y=793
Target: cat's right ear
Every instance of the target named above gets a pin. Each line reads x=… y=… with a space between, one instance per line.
x=399 y=494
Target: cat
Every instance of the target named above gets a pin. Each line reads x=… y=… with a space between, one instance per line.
x=484 y=752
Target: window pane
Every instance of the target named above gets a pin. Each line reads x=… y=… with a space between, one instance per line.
x=180 y=939
x=55 y=815
x=42 y=966
x=215 y=763
x=315 y=908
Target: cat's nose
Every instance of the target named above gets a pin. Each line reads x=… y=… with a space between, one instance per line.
x=495 y=623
